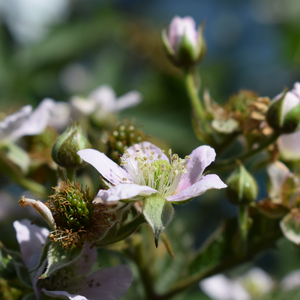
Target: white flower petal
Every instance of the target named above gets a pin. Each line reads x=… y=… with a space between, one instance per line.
x=128 y=100
x=108 y=283
x=200 y=158
x=64 y=295
x=291 y=280
x=31 y=239
x=207 y=182
x=219 y=287
x=105 y=97
x=125 y=191
x=37 y=121
x=13 y=122
x=105 y=166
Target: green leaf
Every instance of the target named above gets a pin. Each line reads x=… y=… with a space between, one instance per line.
x=59 y=258
x=20 y=268
x=158 y=212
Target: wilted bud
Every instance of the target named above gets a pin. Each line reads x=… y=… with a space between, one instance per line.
x=242 y=187
x=64 y=151
x=284 y=113
x=185 y=46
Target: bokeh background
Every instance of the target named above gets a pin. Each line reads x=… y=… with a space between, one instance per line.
x=60 y=48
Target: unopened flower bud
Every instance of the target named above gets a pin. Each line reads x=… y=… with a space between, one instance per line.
x=242 y=187
x=64 y=151
x=185 y=46
x=284 y=113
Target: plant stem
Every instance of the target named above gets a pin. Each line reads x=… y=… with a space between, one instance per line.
x=193 y=91
x=71 y=174
x=232 y=161
x=243 y=226
x=232 y=261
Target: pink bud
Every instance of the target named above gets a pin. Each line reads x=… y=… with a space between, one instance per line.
x=180 y=27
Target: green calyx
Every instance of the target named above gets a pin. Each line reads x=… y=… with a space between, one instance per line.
x=64 y=151
x=242 y=187
x=158 y=213
x=284 y=123
x=72 y=206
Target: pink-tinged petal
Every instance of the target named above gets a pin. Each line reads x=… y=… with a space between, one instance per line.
x=105 y=97
x=200 y=158
x=108 y=283
x=296 y=89
x=65 y=295
x=86 y=261
x=145 y=149
x=40 y=271
x=125 y=191
x=290 y=101
x=207 y=182
x=13 y=122
x=174 y=28
x=278 y=174
x=60 y=115
x=105 y=166
x=31 y=239
x=289 y=146
x=128 y=100
x=180 y=27
x=190 y=30
x=37 y=120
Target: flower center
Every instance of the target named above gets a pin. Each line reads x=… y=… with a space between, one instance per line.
x=156 y=173
x=72 y=206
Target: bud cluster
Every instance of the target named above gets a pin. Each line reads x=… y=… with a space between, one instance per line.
x=122 y=136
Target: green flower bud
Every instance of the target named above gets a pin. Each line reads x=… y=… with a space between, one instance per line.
x=284 y=113
x=184 y=45
x=241 y=187
x=64 y=151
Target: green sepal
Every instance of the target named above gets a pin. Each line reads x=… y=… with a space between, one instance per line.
x=291 y=120
x=158 y=212
x=242 y=187
x=18 y=156
x=290 y=226
x=58 y=257
x=186 y=54
x=117 y=233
